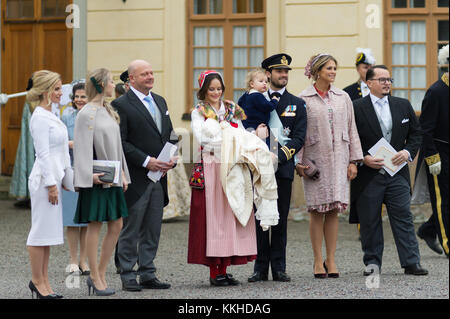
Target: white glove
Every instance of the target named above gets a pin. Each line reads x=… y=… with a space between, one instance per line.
x=3 y=98
x=435 y=169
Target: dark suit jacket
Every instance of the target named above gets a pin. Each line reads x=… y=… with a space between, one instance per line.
x=141 y=138
x=297 y=126
x=406 y=134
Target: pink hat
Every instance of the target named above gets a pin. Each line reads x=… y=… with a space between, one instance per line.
x=203 y=75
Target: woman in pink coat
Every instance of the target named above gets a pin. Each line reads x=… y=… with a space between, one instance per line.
x=332 y=145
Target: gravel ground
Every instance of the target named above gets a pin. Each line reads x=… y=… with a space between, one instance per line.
x=191 y=281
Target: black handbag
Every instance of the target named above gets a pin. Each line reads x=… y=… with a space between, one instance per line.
x=108 y=171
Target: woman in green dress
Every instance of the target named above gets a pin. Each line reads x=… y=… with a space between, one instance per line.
x=97 y=137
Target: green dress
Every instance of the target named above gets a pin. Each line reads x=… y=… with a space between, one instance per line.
x=24 y=158
x=100 y=204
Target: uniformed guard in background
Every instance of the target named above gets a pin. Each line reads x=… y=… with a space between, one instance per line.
x=364 y=60
x=433 y=161
x=291 y=111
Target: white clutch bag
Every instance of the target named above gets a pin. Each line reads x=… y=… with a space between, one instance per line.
x=67 y=181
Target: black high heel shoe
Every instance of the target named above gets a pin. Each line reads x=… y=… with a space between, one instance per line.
x=331 y=274
x=39 y=295
x=320 y=275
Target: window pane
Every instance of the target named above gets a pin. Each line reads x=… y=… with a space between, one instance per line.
x=399 y=54
x=256 y=56
x=418 y=31
x=215 y=6
x=19 y=9
x=256 y=6
x=200 y=57
x=400 y=76
x=201 y=37
x=399 y=3
x=54 y=8
x=240 y=36
x=216 y=37
x=240 y=57
x=419 y=54
x=400 y=93
x=216 y=58
x=240 y=6
x=256 y=35
x=239 y=78
x=443 y=30
x=418 y=77
x=399 y=31
x=199 y=6
x=416 y=99
x=443 y=3
x=417 y=4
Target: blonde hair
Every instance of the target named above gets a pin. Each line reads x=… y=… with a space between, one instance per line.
x=101 y=77
x=251 y=76
x=317 y=62
x=43 y=81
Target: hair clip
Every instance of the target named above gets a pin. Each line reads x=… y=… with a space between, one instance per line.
x=30 y=84
x=98 y=88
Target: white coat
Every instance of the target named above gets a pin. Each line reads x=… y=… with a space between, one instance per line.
x=51 y=146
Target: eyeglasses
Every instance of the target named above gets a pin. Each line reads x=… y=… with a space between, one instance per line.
x=383 y=80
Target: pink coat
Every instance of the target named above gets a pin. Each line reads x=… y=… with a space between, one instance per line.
x=332 y=154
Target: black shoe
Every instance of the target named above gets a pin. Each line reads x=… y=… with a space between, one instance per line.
x=330 y=274
x=131 y=285
x=38 y=294
x=280 y=276
x=258 y=276
x=416 y=270
x=433 y=243
x=370 y=269
x=154 y=284
x=219 y=281
x=231 y=280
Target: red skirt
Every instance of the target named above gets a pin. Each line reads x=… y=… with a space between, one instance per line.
x=197 y=236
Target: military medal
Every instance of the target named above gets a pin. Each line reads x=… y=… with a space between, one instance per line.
x=286 y=131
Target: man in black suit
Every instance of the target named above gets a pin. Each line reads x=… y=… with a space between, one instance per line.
x=292 y=113
x=433 y=161
x=381 y=115
x=145 y=128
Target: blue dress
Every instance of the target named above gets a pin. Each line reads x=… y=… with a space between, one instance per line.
x=70 y=199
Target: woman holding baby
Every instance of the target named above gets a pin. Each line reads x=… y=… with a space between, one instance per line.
x=216 y=238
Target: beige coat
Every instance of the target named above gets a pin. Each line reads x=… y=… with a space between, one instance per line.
x=331 y=155
x=95 y=127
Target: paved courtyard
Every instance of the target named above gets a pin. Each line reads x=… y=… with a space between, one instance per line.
x=191 y=281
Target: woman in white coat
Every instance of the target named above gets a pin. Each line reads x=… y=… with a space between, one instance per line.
x=50 y=142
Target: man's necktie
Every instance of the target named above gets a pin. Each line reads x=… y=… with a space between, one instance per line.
x=384 y=112
x=151 y=106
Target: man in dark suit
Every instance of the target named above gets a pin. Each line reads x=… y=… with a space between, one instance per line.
x=433 y=161
x=381 y=115
x=292 y=113
x=145 y=128
x=364 y=60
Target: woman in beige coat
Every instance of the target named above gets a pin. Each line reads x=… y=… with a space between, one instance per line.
x=332 y=144
x=97 y=136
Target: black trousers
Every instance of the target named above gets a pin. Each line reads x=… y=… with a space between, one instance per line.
x=272 y=243
x=438 y=188
x=394 y=192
